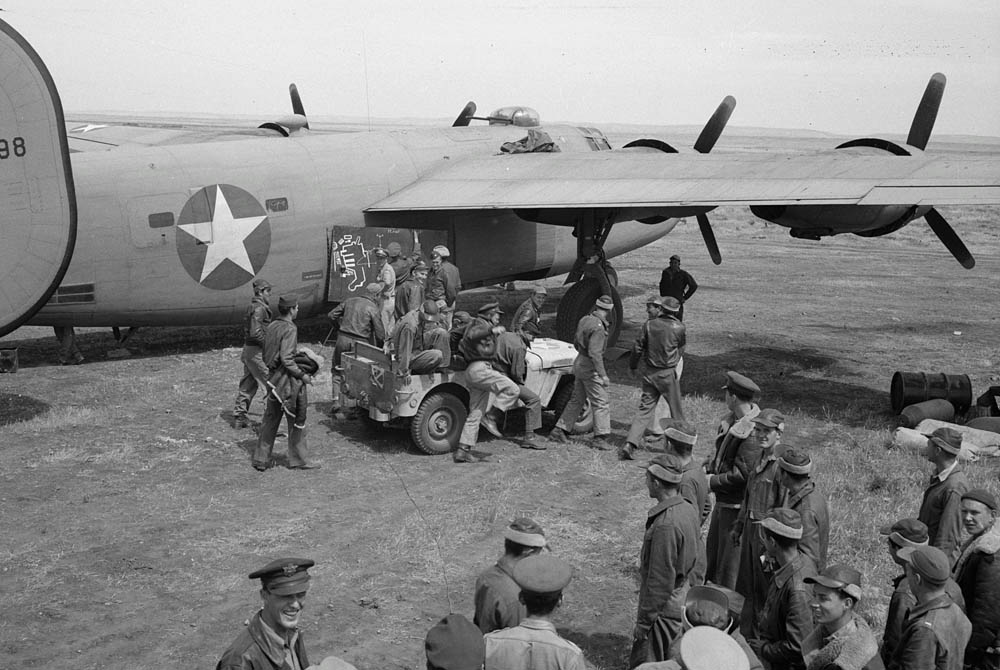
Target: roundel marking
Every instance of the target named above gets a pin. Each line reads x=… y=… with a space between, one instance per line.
x=223 y=236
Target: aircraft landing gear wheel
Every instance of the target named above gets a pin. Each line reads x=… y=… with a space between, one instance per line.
x=579 y=301
x=437 y=425
x=585 y=422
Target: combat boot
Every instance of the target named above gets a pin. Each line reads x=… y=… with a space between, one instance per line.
x=531 y=441
x=489 y=422
x=626 y=453
x=559 y=435
x=601 y=442
x=465 y=454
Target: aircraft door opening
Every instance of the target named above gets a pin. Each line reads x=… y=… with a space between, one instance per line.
x=352 y=264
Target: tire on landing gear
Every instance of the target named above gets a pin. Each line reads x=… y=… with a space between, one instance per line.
x=579 y=301
x=438 y=423
x=585 y=422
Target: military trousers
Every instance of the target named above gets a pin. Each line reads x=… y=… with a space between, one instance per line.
x=482 y=380
x=656 y=382
x=751 y=582
x=532 y=408
x=723 y=555
x=254 y=377
x=273 y=412
x=587 y=385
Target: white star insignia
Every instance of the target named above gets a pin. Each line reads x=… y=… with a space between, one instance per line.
x=224 y=236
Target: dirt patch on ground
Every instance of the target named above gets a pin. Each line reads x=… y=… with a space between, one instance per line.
x=131 y=515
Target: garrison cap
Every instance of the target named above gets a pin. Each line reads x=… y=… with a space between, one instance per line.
x=675 y=257
x=525 y=531
x=737 y=382
x=948 y=439
x=679 y=430
x=707 y=606
x=374 y=289
x=489 y=307
x=795 y=461
x=284 y=576
x=666 y=467
x=605 y=302
x=542 y=573
x=706 y=648
x=288 y=301
x=394 y=249
x=928 y=562
x=532 y=328
x=907 y=533
x=455 y=643
x=784 y=522
x=441 y=251
x=771 y=418
x=261 y=284
x=982 y=496
x=669 y=303
x=540 y=290
x=841 y=577
x=430 y=310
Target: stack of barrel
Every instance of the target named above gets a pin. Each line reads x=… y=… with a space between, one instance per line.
x=940 y=397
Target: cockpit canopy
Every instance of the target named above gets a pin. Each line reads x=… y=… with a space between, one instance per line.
x=524 y=117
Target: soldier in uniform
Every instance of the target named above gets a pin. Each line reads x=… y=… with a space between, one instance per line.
x=935 y=633
x=534 y=644
x=591 y=379
x=677 y=284
x=478 y=349
x=786 y=618
x=496 y=599
x=490 y=315
x=671 y=549
x=280 y=346
x=386 y=277
x=255 y=320
x=272 y=640
x=410 y=292
x=357 y=319
x=842 y=638
x=420 y=342
x=978 y=573
x=941 y=508
x=443 y=283
x=512 y=351
x=401 y=265
x=661 y=345
x=460 y=321
x=761 y=495
x=710 y=605
x=797 y=491
x=905 y=533
x=736 y=454
x=530 y=311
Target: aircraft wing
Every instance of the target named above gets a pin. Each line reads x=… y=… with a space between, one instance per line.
x=105 y=135
x=624 y=179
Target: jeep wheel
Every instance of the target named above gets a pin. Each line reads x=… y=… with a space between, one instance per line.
x=437 y=425
x=561 y=398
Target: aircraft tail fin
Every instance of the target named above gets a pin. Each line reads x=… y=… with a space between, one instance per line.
x=37 y=198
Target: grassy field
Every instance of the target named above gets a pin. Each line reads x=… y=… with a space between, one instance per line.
x=131 y=515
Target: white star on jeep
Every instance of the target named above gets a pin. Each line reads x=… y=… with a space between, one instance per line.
x=224 y=236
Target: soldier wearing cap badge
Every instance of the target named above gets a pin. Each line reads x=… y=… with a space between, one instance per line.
x=255 y=320
x=530 y=310
x=534 y=644
x=671 y=551
x=761 y=495
x=497 y=594
x=936 y=632
x=288 y=395
x=357 y=319
x=941 y=508
x=905 y=533
x=591 y=378
x=272 y=641
x=736 y=454
x=660 y=345
x=841 y=639
x=797 y=490
x=785 y=620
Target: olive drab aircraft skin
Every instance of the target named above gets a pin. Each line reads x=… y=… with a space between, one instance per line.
x=130 y=226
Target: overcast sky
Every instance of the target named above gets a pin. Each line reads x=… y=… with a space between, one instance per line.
x=844 y=66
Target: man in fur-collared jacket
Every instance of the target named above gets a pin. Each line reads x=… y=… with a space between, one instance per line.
x=978 y=574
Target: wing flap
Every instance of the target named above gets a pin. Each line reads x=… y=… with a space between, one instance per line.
x=624 y=179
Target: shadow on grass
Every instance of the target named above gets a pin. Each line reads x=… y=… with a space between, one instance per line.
x=605 y=650
x=15 y=408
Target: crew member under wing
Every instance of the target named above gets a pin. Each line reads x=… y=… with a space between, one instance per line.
x=166 y=232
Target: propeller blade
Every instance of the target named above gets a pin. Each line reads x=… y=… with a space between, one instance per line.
x=709 y=236
x=297 y=107
x=950 y=239
x=713 y=129
x=923 y=120
x=467 y=113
